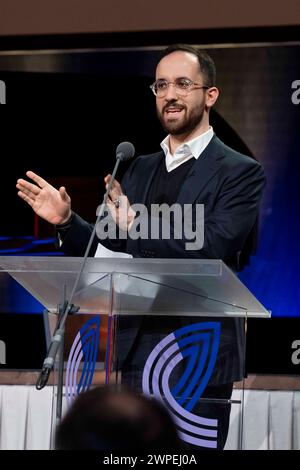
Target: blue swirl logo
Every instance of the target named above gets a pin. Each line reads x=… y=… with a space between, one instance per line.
x=84 y=350
x=197 y=345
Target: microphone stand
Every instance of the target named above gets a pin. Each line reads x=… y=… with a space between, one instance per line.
x=67 y=307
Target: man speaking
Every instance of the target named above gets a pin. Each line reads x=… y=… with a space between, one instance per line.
x=193 y=168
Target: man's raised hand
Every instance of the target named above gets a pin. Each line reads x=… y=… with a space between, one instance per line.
x=47 y=202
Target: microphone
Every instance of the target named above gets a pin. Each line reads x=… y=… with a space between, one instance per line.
x=124 y=151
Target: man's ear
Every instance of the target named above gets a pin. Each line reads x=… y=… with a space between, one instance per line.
x=211 y=96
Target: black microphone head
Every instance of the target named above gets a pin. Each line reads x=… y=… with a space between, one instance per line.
x=125 y=151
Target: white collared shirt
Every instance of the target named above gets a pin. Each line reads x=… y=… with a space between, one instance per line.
x=186 y=151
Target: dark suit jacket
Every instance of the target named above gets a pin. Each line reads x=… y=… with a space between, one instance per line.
x=230 y=186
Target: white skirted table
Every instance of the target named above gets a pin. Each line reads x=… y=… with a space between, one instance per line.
x=271 y=416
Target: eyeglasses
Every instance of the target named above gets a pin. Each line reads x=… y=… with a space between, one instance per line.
x=183 y=87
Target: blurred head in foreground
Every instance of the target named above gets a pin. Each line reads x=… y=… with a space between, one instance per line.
x=106 y=419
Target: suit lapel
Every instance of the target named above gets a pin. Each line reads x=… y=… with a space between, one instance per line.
x=205 y=167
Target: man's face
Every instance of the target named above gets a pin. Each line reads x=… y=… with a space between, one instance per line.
x=178 y=114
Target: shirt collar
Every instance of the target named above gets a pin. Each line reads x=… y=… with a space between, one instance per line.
x=190 y=149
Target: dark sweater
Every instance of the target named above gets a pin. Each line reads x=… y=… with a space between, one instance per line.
x=166 y=186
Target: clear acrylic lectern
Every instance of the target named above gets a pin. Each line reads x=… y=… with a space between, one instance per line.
x=173 y=329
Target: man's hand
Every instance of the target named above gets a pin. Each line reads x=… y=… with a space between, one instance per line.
x=47 y=202
x=119 y=205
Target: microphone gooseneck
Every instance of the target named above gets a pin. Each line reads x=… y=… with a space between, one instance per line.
x=124 y=151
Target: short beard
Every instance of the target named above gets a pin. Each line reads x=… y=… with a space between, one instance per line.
x=185 y=127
